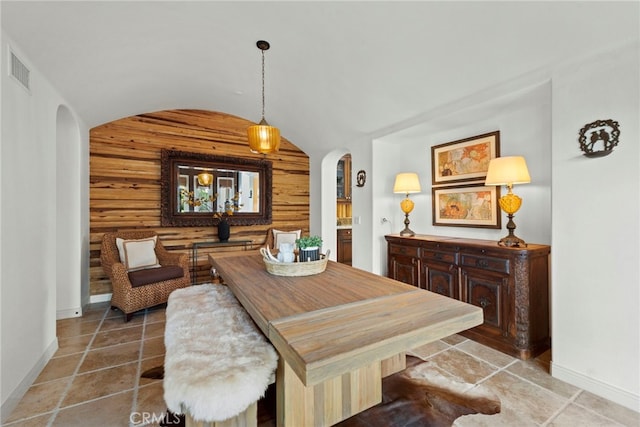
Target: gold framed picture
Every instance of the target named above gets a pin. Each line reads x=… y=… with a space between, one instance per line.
x=464 y=160
x=467 y=206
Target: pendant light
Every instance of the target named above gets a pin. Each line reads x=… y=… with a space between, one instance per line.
x=205 y=178
x=263 y=138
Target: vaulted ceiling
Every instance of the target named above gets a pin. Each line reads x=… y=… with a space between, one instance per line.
x=336 y=71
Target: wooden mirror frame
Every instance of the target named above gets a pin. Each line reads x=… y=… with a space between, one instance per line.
x=169 y=217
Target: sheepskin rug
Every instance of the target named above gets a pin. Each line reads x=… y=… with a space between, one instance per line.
x=217 y=361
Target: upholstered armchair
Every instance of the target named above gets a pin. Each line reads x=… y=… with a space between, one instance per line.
x=140 y=278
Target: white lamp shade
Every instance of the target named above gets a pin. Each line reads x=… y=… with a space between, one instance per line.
x=507 y=171
x=407 y=182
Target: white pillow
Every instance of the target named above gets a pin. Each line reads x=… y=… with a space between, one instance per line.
x=285 y=237
x=138 y=254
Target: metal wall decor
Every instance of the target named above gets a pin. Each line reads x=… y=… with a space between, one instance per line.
x=361 y=178
x=598 y=138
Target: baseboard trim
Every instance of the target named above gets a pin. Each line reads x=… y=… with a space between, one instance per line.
x=68 y=313
x=608 y=391
x=14 y=398
x=99 y=298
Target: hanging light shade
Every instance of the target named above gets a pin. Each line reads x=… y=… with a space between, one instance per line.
x=263 y=138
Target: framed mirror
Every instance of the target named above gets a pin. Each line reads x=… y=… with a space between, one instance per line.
x=195 y=186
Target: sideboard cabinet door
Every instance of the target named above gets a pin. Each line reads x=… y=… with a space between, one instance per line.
x=441 y=279
x=403 y=264
x=491 y=292
x=439 y=272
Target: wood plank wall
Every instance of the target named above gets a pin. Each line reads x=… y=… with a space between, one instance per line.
x=125 y=180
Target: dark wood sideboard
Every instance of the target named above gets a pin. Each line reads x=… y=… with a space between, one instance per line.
x=510 y=284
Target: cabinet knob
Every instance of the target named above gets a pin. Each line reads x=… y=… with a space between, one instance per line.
x=484 y=302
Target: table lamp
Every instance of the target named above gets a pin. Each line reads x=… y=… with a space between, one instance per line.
x=407 y=182
x=508 y=171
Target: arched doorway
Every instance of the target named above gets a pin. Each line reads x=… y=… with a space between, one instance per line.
x=68 y=216
x=343 y=210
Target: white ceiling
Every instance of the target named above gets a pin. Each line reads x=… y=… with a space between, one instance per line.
x=336 y=71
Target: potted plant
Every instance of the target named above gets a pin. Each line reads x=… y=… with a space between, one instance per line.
x=309 y=247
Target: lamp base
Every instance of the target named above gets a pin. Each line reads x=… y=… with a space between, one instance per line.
x=511 y=240
x=407 y=231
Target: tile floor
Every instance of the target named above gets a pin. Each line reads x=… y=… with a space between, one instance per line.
x=94 y=380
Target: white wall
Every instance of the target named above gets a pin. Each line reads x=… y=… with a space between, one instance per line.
x=30 y=219
x=361 y=205
x=596 y=216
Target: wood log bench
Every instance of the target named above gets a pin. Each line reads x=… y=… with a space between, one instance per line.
x=217 y=362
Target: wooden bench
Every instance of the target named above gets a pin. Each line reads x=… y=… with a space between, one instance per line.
x=217 y=363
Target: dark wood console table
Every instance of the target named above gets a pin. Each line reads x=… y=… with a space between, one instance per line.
x=510 y=284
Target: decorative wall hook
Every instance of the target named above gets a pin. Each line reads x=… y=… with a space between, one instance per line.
x=597 y=139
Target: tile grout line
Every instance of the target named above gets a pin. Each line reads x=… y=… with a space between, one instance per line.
x=565 y=405
x=136 y=384
x=600 y=414
x=561 y=409
x=426 y=358
x=498 y=367
x=75 y=372
x=497 y=371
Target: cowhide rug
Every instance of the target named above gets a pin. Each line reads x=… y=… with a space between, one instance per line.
x=421 y=395
x=424 y=395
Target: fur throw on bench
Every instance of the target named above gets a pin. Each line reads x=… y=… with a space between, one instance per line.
x=217 y=361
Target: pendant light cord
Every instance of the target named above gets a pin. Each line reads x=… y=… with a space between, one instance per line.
x=262 y=84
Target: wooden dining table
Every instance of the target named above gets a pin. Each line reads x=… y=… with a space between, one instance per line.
x=338 y=333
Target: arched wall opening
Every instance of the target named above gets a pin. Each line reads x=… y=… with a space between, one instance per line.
x=68 y=216
x=329 y=200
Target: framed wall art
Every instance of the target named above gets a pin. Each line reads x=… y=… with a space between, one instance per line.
x=467 y=206
x=464 y=160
